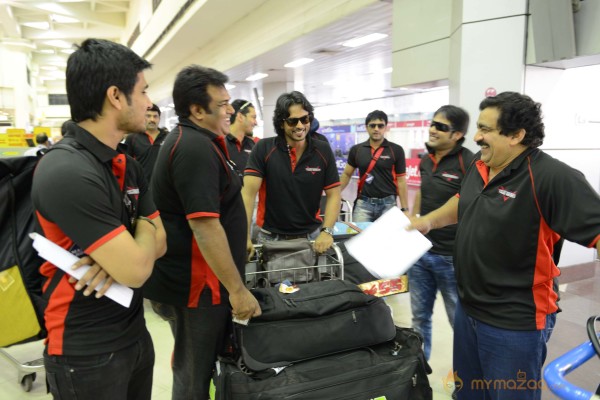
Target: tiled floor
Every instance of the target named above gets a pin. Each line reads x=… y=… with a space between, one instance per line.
x=579 y=301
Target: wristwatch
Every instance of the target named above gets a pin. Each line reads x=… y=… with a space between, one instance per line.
x=403 y=209
x=327 y=230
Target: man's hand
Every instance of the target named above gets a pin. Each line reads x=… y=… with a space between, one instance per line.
x=323 y=242
x=92 y=278
x=421 y=224
x=244 y=305
x=250 y=249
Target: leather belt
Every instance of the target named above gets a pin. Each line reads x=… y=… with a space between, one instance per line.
x=376 y=200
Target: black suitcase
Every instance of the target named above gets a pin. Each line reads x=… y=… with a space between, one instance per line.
x=321 y=318
x=395 y=370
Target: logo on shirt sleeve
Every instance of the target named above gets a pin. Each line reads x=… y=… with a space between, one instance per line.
x=507 y=194
x=313 y=170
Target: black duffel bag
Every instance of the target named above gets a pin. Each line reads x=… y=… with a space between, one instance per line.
x=395 y=370
x=321 y=318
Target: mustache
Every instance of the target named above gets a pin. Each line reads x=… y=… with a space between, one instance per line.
x=481 y=143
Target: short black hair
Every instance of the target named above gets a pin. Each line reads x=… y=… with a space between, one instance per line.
x=155 y=108
x=377 y=114
x=95 y=66
x=191 y=87
x=282 y=106
x=64 y=128
x=41 y=138
x=240 y=106
x=518 y=111
x=459 y=118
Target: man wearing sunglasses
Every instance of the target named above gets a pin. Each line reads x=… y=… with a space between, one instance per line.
x=382 y=172
x=515 y=207
x=442 y=170
x=292 y=170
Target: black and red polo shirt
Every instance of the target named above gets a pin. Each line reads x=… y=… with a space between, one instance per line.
x=84 y=194
x=389 y=166
x=440 y=180
x=144 y=149
x=290 y=195
x=239 y=151
x=194 y=178
x=509 y=234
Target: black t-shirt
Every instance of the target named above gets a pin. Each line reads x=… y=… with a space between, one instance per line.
x=439 y=182
x=144 y=149
x=194 y=178
x=289 y=200
x=509 y=232
x=239 y=152
x=81 y=208
x=390 y=164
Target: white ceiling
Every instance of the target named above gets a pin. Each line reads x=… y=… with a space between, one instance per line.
x=338 y=74
x=51 y=27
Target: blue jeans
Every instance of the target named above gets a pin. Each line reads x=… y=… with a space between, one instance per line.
x=200 y=335
x=495 y=363
x=430 y=273
x=369 y=209
x=121 y=375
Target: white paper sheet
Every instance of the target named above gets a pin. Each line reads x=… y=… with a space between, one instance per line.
x=386 y=248
x=62 y=259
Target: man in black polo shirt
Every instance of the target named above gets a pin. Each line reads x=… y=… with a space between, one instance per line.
x=144 y=146
x=292 y=170
x=197 y=190
x=382 y=172
x=442 y=171
x=515 y=206
x=239 y=140
x=101 y=209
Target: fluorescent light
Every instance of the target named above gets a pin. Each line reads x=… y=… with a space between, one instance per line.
x=387 y=70
x=257 y=76
x=299 y=62
x=359 y=41
x=67 y=51
x=49 y=68
x=229 y=86
x=45 y=51
x=37 y=25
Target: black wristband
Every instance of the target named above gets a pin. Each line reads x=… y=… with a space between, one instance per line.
x=403 y=209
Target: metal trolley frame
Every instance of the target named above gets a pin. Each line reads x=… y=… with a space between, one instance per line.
x=26 y=372
x=330 y=266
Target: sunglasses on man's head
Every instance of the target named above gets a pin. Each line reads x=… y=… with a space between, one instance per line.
x=441 y=127
x=294 y=121
x=373 y=126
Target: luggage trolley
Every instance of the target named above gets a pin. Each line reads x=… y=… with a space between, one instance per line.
x=330 y=265
x=555 y=371
x=27 y=371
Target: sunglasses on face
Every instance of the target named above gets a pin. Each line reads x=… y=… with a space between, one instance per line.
x=373 y=126
x=441 y=127
x=294 y=121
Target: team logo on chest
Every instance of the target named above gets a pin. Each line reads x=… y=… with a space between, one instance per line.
x=507 y=194
x=449 y=177
x=313 y=170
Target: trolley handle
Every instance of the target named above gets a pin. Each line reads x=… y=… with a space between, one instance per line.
x=555 y=372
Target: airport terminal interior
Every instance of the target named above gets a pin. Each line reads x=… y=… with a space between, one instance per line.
x=348 y=57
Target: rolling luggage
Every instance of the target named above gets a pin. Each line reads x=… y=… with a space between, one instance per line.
x=395 y=370
x=320 y=318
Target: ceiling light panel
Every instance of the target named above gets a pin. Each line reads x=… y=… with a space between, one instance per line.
x=299 y=62
x=257 y=76
x=359 y=41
